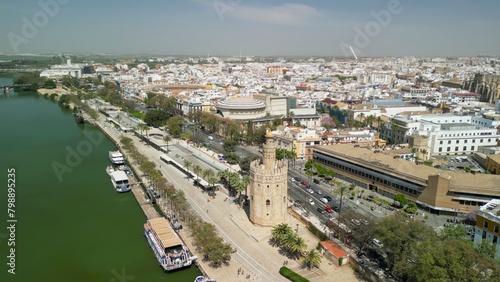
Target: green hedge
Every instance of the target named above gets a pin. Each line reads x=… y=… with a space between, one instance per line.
x=322 y=236
x=292 y=276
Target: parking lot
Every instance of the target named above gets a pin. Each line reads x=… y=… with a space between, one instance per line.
x=459 y=163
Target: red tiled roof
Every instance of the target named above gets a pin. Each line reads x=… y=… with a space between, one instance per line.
x=334 y=249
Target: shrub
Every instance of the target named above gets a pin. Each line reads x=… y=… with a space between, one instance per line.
x=340 y=261
x=292 y=276
x=322 y=236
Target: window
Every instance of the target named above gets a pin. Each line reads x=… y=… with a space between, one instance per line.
x=496 y=229
x=465 y=141
x=440 y=149
x=472 y=148
x=456 y=149
x=268 y=203
x=448 y=149
x=457 y=141
x=485 y=224
x=441 y=142
x=449 y=141
x=473 y=140
x=465 y=148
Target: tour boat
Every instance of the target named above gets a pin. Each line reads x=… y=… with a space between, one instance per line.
x=169 y=250
x=116 y=157
x=119 y=179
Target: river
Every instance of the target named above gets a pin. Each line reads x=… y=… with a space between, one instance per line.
x=71 y=224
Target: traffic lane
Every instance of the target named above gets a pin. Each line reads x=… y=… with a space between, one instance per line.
x=333 y=203
x=299 y=193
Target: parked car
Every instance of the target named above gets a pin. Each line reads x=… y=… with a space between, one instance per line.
x=320 y=210
x=328 y=209
x=310 y=201
x=328 y=198
x=324 y=200
x=377 y=243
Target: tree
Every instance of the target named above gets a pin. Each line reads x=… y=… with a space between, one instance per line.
x=401 y=199
x=50 y=84
x=187 y=165
x=411 y=208
x=453 y=231
x=156 y=118
x=341 y=191
x=280 y=231
x=197 y=170
x=167 y=139
x=327 y=122
x=174 y=125
x=486 y=248
x=311 y=259
x=229 y=146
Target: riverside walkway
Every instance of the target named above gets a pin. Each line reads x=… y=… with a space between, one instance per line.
x=254 y=256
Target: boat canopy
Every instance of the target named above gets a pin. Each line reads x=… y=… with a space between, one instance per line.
x=119 y=176
x=164 y=232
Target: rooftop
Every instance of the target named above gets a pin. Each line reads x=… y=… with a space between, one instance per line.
x=385 y=160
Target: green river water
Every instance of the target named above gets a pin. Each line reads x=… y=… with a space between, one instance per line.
x=71 y=226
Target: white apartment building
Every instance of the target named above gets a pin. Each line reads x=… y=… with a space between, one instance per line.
x=58 y=71
x=447 y=134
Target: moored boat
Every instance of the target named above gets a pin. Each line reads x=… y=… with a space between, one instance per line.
x=203 y=279
x=167 y=247
x=119 y=179
x=116 y=157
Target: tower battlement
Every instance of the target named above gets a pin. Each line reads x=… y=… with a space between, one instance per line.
x=268 y=187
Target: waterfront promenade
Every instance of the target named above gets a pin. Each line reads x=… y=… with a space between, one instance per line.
x=255 y=256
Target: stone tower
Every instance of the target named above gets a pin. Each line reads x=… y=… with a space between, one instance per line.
x=268 y=187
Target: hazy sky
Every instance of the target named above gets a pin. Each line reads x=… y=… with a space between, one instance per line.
x=254 y=27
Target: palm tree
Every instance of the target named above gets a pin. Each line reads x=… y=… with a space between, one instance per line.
x=187 y=166
x=246 y=181
x=280 y=231
x=211 y=181
x=287 y=240
x=311 y=259
x=197 y=170
x=341 y=191
x=167 y=139
x=208 y=174
x=379 y=121
x=297 y=246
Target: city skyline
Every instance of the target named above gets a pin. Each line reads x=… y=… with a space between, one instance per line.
x=254 y=28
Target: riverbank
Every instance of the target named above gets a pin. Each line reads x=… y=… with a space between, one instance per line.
x=255 y=255
x=138 y=191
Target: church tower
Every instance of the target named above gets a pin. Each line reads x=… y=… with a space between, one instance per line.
x=268 y=187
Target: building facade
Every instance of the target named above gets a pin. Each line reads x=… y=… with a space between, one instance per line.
x=268 y=187
x=384 y=172
x=488 y=225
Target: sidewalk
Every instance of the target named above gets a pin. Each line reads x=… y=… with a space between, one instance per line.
x=254 y=256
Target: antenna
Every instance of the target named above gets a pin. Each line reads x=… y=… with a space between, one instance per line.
x=356 y=57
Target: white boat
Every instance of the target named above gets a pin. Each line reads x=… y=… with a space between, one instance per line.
x=167 y=247
x=203 y=279
x=116 y=157
x=119 y=179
